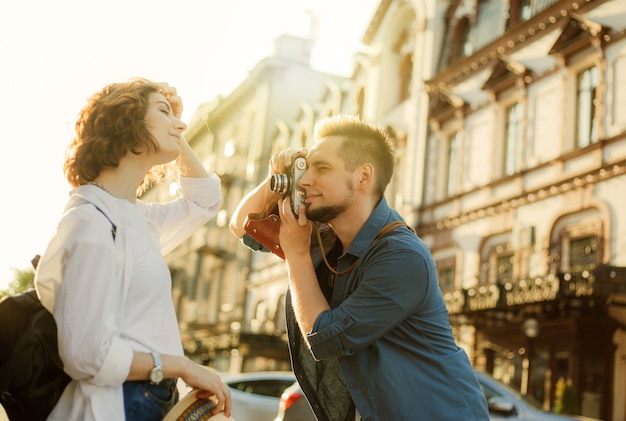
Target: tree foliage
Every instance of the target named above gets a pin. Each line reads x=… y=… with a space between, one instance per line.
x=23 y=281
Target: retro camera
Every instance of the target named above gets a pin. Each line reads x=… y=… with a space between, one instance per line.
x=287 y=184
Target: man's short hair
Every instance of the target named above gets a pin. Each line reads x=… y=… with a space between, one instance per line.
x=362 y=143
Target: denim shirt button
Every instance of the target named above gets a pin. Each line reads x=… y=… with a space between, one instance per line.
x=345 y=321
x=353 y=386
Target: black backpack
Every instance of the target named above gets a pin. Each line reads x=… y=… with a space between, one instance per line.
x=31 y=372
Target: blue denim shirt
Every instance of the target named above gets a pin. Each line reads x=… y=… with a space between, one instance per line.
x=386 y=344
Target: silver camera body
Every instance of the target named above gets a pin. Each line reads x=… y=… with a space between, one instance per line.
x=287 y=184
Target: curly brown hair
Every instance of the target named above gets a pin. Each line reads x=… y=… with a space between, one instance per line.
x=107 y=128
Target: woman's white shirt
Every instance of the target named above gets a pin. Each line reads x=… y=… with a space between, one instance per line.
x=112 y=296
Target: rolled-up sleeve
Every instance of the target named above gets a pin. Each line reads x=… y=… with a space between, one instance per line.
x=391 y=286
x=205 y=192
x=326 y=338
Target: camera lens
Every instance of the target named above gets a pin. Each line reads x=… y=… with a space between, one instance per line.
x=279 y=183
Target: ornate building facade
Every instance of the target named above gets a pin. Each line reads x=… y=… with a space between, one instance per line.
x=510 y=121
x=525 y=171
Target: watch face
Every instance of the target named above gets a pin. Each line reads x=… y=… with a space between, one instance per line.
x=156 y=375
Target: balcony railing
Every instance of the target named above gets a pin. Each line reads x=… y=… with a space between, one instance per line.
x=600 y=280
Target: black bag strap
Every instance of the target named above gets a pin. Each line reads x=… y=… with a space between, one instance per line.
x=35 y=260
x=24 y=376
x=113 y=226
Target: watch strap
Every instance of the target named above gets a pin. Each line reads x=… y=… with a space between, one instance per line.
x=157 y=360
x=156 y=374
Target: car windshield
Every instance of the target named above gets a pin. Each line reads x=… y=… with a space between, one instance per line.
x=490 y=392
x=265 y=387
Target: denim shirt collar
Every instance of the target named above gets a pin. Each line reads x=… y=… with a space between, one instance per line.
x=378 y=219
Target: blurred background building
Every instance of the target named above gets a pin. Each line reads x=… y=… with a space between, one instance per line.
x=510 y=122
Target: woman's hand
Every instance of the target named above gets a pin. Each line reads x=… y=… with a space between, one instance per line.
x=209 y=384
x=176 y=102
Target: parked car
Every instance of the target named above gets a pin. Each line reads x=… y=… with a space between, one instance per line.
x=293 y=406
x=255 y=396
x=505 y=404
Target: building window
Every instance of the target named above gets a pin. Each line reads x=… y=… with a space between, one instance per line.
x=406 y=77
x=461 y=47
x=497 y=261
x=404 y=48
x=513 y=139
x=524 y=10
x=583 y=252
x=503 y=268
x=279 y=315
x=360 y=103
x=519 y=11
x=542 y=124
x=619 y=88
x=586 y=124
x=578 y=243
x=478 y=155
x=454 y=142
x=446 y=279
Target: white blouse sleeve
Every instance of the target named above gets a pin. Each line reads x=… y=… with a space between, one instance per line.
x=177 y=220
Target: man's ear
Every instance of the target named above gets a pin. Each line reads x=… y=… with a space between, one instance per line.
x=366 y=175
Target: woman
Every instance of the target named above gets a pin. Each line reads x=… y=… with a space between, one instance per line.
x=103 y=275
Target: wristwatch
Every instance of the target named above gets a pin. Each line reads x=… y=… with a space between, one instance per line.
x=156 y=374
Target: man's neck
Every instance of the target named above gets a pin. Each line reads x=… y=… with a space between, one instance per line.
x=347 y=225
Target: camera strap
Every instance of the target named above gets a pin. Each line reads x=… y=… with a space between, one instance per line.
x=383 y=231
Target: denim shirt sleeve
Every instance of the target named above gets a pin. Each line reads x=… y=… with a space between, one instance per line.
x=388 y=285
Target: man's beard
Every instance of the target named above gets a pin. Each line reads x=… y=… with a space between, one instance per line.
x=325 y=213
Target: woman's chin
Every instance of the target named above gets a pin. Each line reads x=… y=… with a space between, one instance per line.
x=168 y=155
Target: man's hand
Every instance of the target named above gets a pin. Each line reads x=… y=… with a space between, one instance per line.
x=295 y=234
x=295 y=240
x=282 y=160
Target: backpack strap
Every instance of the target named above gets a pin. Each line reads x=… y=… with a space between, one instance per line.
x=31 y=369
x=35 y=260
x=113 y=226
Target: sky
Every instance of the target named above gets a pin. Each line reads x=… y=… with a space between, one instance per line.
x=54 y=54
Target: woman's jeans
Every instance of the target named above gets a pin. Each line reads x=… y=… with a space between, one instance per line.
x=144 y=401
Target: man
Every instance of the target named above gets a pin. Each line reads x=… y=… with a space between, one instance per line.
x=367 y=324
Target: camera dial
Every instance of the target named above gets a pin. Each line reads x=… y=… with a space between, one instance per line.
x=287 y=184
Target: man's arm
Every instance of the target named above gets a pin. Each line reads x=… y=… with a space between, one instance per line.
x=295 y=237
x=307 y=298
x=259 y=200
